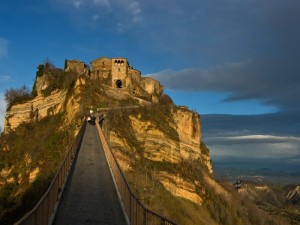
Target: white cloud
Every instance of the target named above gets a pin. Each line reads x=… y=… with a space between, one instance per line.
x=3 y=47
x=251 y=139
x=76 y=4
x=95 y=17
x=252 y=151
x=120 y=27
x=101 y=2
x=5 y=78
x=104 y=12
x=257 y=150
x=135 y=10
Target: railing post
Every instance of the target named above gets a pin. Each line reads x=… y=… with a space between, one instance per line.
x=145 y=217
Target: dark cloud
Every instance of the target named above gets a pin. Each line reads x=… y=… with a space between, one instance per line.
x=285 y=164
x=224 y=31
x=274 y=82
x=278 y=124
x=257 y=139
x=201 y=32
x=253 y=141
x=247 y=49
x=265 y=152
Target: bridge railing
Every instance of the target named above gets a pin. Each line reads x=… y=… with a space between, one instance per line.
x=43 y=212
x=136 y=212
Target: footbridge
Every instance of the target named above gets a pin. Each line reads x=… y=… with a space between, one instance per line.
x=90 y=188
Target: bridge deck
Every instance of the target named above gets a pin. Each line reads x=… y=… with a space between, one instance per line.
x=90 y=196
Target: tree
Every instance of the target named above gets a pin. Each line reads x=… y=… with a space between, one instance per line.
x=13 y=96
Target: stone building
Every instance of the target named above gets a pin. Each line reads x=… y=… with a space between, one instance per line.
x=101 y=70
x=118 y=74
x=77 y=66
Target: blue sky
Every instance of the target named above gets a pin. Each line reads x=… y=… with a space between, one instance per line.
x=217 y=57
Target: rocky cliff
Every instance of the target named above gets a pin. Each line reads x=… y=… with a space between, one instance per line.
x=166 y=133
x=157 y=144
x=159 y=148
x=42 y=105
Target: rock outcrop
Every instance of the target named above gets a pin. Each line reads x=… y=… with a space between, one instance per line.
x=170 y=135
x=42 y=106
x=34 y=110
x=293 y=195
x=178 y=142
x=179 y=186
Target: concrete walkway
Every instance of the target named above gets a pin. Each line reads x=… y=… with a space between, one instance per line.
x=90 y=196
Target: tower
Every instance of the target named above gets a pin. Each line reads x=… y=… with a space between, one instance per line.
x=119 y=71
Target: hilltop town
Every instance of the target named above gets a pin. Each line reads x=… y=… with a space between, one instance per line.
x=117 y=73
x=118 y=81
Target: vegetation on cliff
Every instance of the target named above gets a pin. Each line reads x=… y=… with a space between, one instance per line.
x=29 y=158
x=31 y=154
x=14 y=96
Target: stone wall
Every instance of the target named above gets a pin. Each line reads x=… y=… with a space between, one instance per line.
x=152 y=87
x=135 y=74
x=101 y=69
x=77 y=66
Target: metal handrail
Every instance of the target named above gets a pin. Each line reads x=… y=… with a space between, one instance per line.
x=136 y=212
x=44 y=210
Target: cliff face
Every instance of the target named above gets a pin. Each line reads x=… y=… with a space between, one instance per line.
x=42 y=106
x=189 y=130
x=168 y=139
x=34 y=110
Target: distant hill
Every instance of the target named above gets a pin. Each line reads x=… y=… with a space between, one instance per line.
x=274 y=198
x=263 y=175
